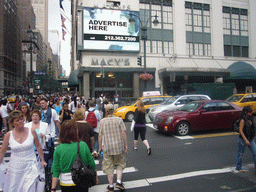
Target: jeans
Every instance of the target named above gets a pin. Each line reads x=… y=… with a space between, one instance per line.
x=240 y=153
x=96 y=142
x=56 y=130
x=50 y=146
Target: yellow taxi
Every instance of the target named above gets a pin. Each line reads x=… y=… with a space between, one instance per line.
x=127 y=112
x=243 y=100
x=12 y=98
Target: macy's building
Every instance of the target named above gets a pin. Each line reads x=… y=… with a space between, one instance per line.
x=206 y=41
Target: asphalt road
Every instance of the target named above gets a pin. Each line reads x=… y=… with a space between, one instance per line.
x=200 y=162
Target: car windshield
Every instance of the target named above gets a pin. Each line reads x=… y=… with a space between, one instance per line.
x=169 y=101
x=12 y=97
x=190 y=107
x=234 y=98
x=133 y=103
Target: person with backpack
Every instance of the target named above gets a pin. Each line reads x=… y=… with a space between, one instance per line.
x=93 y=117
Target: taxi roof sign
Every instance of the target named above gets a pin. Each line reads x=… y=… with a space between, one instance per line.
x=151 y=93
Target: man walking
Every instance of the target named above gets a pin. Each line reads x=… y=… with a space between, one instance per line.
x=93 y=116
x=49 y=115
x=111 y=129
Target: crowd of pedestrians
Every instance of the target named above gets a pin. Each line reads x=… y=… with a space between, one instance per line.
x=31 y=126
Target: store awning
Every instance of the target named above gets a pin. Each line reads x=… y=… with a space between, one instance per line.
x=242 y=70
x=73 y=79
x=195 y=67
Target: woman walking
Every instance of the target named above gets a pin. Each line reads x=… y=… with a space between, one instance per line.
x=85 y=129
x=26 y=112
x=36 y=104
x=41 y=129
x=246 y=137
x=22 y=170
x=140 y=126
x=65 y=113
x=65 y=155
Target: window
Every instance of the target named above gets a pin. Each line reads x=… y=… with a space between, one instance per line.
x=203 y=98
x=210 y=107
x=236 y=51
x=156 y=10
x=156 y=100
x=247 y=98
x=182 y=101
x=227 y=50
x=167 y=17
x=156 y=46
x=224 y=106
x=168 y=47
x=194 y=98
x=245 y=52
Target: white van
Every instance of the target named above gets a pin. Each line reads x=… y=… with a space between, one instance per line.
x=174 y=103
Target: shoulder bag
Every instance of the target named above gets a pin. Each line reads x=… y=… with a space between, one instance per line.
x=82 y=176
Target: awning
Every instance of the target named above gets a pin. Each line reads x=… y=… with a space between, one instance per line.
x=73 y=79
x=242 y=70
x=195 y=67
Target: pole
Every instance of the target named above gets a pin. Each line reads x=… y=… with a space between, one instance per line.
x=31 y=63
x=145 y=66
x=102 y=78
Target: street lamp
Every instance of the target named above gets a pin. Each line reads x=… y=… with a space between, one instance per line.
x=143 y=29
x=32 y=37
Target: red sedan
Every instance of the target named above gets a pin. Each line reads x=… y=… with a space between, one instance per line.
x=198 y=115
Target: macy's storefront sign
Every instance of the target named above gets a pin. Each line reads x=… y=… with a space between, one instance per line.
x=110 y=62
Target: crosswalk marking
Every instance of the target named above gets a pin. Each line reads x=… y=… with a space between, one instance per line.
x=126 y=170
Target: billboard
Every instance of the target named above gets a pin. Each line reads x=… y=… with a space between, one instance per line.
x=110 y=30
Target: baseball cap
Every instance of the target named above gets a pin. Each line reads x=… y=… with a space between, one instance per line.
x=109 y=107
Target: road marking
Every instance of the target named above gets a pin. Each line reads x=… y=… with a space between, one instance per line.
x=126 y=170
x=187 y=175
x=184 y=137
x=187 y=143
x=151 y=126
x=215 y=135
x=128 y=185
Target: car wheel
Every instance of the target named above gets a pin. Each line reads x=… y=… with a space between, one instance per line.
x=183 y=128
x=129 y=116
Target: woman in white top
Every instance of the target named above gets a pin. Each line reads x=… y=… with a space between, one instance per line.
x=75 y=104
x=40 y=128
x=22 y=170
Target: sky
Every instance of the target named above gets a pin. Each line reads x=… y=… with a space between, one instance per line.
x=58 y=45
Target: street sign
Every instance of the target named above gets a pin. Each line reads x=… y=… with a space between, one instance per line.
x=37 y=82
x=39 y=73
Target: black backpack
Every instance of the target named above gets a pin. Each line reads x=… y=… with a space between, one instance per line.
x=82 y=176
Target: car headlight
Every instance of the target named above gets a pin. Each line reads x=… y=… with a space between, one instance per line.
x=120 y=110
x=169 y=120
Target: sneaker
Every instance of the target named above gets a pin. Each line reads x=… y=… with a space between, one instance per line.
x=120 y=186
x=95 y=154
x=110 y=189
x=135 y=148
x=149 y=150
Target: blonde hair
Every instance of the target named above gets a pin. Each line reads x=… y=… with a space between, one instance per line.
x=79 y=114
x=141 y=107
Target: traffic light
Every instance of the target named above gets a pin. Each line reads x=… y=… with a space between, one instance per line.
x=139 y=61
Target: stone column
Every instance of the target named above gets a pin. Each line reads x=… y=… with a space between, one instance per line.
x=136 y=85
x=179 y=27
x=86 y=85
x=217 y=29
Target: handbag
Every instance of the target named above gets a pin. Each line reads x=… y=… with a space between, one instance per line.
x=132 y=125
x=82 y=176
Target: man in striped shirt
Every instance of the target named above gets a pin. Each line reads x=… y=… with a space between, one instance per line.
x=112 y=129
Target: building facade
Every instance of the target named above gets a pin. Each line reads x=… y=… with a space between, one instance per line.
x=41 y=12
x=206 y=41
x=10 y=48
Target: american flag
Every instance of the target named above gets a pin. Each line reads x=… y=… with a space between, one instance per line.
x=63 y=34
x=63 y=19
x=61 y=4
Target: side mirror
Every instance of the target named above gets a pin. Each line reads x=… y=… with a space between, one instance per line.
x=202 y=111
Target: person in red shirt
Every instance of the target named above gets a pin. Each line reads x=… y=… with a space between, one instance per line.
x=17 y=101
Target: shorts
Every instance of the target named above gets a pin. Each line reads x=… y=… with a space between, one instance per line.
x=111 y=161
